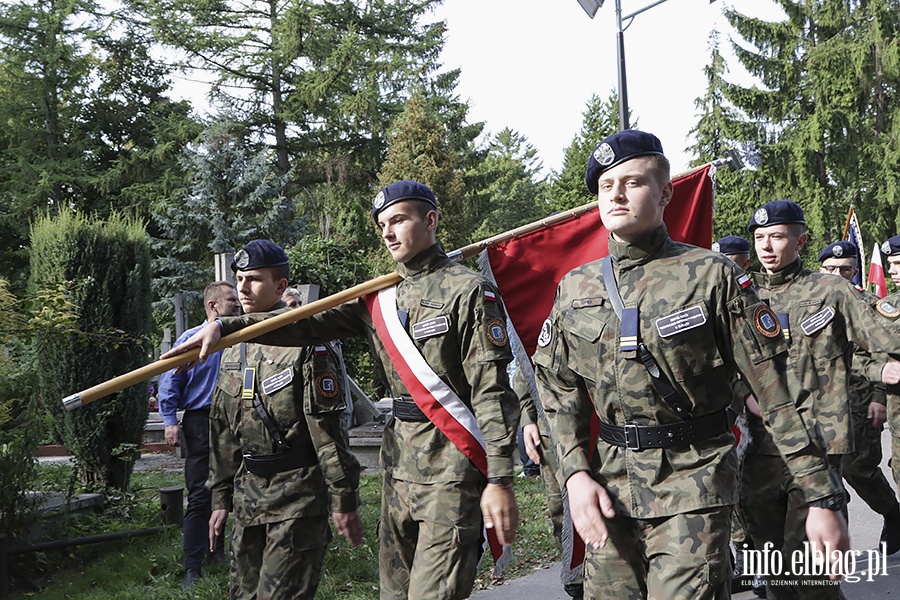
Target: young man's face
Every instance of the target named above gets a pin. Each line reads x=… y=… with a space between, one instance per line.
x=227 y=303
x=404 y=231
x=894 y=268
x=258 y=289
x=777 y=246
x=845 y=267
x=631 y=198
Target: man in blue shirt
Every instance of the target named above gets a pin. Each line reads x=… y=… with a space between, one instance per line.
x=191 y=391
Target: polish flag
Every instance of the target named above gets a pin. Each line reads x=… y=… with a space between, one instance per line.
x=876 y=274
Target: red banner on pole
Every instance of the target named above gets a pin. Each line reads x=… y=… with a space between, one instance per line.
x=528 y=268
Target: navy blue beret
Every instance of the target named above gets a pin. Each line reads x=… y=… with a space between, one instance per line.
x=402 y=190
x=732 y=244
x=843 y=249
x=891 y=246
x=258 y=254
x=616 y=149
x=777 y=212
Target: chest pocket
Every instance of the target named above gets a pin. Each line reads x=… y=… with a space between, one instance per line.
x=279 y=387
x=229 y=383
x=817 y=326
x=587 y=342
x=435 y=333
x=325 y=388
x=687 y=341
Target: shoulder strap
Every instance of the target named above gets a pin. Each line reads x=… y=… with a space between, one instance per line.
x=657 y=377
x=612 y=287
x=258 y=408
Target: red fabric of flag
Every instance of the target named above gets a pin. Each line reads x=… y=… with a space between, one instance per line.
x=527 y=269
x=876 y=274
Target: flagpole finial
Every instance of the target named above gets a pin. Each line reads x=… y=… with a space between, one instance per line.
x=743 y=156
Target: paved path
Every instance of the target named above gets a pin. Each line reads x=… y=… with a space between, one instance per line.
x=865 y=529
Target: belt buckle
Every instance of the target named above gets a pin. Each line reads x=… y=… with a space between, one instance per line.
x=632 y=441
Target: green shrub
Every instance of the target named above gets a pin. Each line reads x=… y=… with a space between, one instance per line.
x=105 y=266
x=18 y=438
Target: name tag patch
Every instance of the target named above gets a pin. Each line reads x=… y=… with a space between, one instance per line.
x=818 y=321
x=272 y=384
x=430 y=328
x=587 y=302
x=682 y=320
x=431 y=303
x=231 y=366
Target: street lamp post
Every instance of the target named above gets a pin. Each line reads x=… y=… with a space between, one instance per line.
x=591 y=7
x=620 y=61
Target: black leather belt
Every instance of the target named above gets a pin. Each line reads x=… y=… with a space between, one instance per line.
x=406 y=409
x=266 y=465
x=640 y=437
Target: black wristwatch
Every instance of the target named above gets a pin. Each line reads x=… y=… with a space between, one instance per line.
x=504 y=482
x=835 y=502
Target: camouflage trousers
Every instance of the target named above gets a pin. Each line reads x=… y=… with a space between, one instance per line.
x=894 y=426
x=278 y=561
x=684 y=556
x=775 y=511
x=862 y=469
x=430 y=539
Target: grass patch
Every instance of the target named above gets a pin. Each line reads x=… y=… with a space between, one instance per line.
x=151 y=567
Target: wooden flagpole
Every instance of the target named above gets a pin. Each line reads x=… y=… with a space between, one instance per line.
x=251 y=331
x=159 y=367
x=849 y=215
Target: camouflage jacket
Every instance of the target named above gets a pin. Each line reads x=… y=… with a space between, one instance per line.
x=828 y=320
x=301 y=391
x=863 y=391
x=467 y=356
x=889 y=308
x=719 y=324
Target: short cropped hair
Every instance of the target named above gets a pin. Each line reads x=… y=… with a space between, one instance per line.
x=661 y=167
x=214 y=290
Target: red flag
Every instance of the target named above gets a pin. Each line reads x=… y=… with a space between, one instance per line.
x=876 y=274
x=535 y=262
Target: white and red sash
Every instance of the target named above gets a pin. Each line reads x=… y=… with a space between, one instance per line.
x=433 y=397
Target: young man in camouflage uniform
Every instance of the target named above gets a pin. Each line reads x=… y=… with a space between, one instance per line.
x=889 y=308
x=431 y=527
x=868 y=413
x=824 y=320
x=280 y=454
x=655 y=514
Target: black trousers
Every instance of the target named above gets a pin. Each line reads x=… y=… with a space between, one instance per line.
x=195 y=445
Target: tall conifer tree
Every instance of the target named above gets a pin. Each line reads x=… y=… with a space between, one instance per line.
x=826 y=109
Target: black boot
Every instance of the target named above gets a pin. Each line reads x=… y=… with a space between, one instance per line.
x=190 y=578
x=575 y=590
x=890 y=533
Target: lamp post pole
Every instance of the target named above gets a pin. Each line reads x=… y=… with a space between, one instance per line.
x=591 y=7
x=623 y=83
